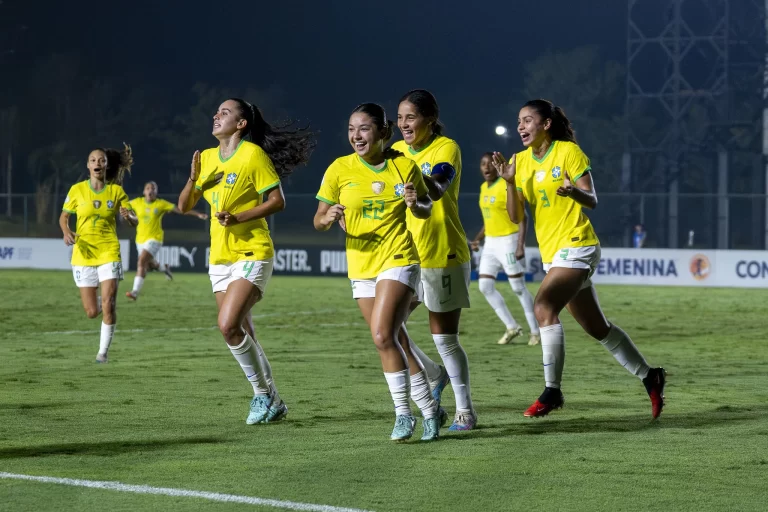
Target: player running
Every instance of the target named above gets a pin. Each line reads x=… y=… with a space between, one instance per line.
x=240 y=179
x=555 y=177
x=368 y=193
x=504 y=249
x=96 y=253
x=442 y=246
x=149 y=233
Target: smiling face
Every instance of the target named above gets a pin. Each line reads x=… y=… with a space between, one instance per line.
x=416 y=128
x=532 y=127
x=365 y=137
x=97 y=164
x=487 y=170
x=227 y=120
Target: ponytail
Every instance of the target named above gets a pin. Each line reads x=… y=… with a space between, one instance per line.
x=560 y=128
x=426 y=103
x=287 y=148
x=118 y=163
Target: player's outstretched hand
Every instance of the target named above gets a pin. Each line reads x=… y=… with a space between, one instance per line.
x=505 y=170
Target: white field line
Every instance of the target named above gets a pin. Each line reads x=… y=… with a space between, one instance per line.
x=193 y=329
x=182 y=493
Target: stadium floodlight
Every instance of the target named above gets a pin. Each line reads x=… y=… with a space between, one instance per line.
x=501 y=130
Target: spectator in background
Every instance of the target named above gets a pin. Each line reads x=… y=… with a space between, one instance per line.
x=638 y=237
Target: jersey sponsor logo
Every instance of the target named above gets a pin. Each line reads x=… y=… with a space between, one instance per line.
x=700 y=267
x=189 y=255
x=540 y=175
x=399 y=190
x=110 y=203
x=377 y=187
x=426 y=169
x=485 y=199
x=96 y=204
x=556 y=173
x=334 y=262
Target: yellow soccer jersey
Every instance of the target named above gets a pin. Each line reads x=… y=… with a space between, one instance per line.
x=377 y=234
x=559 y=221
x=440 y=239
x=237 y=184
x=96 y=242
x=150 y=218
x=493 y=204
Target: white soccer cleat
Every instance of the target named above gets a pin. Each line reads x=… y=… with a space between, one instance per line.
x=510 y=335
x=535 y=339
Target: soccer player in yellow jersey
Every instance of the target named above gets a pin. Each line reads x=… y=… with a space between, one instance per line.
x=504 y=248
x=96 y=253
x=442 y=245
x=241 y=180
x=555 y=177
x=370 y=191
x=149 y=233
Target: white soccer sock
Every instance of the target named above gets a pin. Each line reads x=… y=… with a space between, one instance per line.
x=494 y=298
x=457 y=365
x=247 y=355
x=422 y=395
x=107 y=331
x=399 y=387
x=267 y=369
x=625 y=352
x=138 y=282
x=553 y=352
x=431 y=368
x=526 y=300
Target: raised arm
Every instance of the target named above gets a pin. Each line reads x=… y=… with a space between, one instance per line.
x=190 y=195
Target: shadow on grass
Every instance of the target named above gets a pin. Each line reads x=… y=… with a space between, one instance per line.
x=100 y=449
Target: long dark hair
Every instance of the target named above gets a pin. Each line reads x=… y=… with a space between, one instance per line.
x=287 y=148
x=427 y=106
x=118 y=163
x=385 y=126
x=561 y=128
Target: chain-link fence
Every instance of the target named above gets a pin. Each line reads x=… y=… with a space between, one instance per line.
x=706 y=221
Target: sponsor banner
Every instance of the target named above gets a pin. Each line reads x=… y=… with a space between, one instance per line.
x=44 y=253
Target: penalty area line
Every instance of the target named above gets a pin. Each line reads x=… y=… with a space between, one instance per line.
x=180 y=493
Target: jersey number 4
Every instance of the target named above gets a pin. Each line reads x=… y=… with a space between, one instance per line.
x=373 y=212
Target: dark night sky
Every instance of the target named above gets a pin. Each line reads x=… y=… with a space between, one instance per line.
x=326 y=57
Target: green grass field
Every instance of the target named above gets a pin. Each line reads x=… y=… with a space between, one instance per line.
x=169 y=409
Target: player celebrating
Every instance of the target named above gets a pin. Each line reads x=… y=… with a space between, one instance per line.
x=149 y=233
x=96 y=252
x=442 y=246
x=235 y=178
x=370 y=191
x=504 y=249
x=555 y=177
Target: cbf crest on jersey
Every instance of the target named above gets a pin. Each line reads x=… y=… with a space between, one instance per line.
x=556 y=173
x=540 y=176
x=96 y=204
x=231 y=179
x=377 y=187
x=426 y=169
x=399 y=190
x=493 y=199
x=110 y=203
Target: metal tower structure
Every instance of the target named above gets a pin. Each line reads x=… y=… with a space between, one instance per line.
x=694 y=88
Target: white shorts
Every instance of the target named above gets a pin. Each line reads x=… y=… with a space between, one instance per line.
x=151 y=246
x=499 y=253
x=366 y=288
x=255 y=272
x=445 y=289
x=90 y=277
x=586 y=258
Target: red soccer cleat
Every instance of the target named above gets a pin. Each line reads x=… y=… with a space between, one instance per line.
x=549 y=400
x=130 y=295
x=654 y=384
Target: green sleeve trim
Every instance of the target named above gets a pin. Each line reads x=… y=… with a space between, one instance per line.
x=520 y=189
x=198 y=188
x=269 y=187
x=68 y=211
x=321 y=198
x=585 y=171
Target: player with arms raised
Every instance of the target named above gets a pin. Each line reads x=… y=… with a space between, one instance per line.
x=96 y=253
x=149 y=233
x=554 y=175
